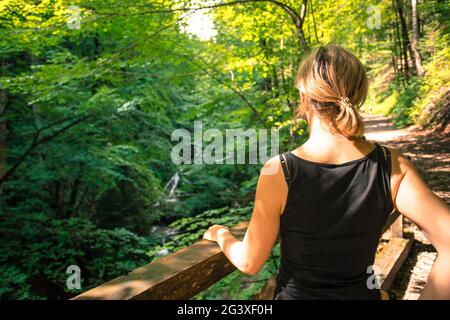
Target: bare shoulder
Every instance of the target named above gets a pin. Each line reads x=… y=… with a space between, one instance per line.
x=272 y=167
x=272 y=177
x=404 y=173
x=273 y=161
x=401 y=163
x=272 y=188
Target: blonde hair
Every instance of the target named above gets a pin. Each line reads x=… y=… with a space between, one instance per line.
x=333 y=81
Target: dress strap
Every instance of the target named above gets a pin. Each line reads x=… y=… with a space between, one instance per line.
x=388 y=159
x=387 y=174
x=285 y=166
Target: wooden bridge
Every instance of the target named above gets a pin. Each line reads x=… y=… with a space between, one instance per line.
x=183 y=274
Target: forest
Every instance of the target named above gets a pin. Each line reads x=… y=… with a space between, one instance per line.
x=92 y=90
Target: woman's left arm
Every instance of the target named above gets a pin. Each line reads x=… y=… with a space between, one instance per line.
x=250 y=254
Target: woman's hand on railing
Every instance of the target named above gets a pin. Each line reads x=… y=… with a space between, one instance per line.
x=214 y=232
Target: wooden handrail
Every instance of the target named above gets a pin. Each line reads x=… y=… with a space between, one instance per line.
x=180 y=275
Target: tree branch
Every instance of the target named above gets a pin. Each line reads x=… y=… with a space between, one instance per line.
x=285 y=7
x=297 y=19
x=314 y=21
x=236 y=91
x=37 y=141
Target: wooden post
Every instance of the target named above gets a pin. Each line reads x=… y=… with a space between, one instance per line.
x=397 y=228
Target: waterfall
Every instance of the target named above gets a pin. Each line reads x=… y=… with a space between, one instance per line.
x=171 y=187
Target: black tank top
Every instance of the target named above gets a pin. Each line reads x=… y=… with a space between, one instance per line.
x=331 y=226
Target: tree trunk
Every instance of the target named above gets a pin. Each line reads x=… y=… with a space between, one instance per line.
x=403 y=55
x=394 y=64
x=35 y=109
x=58 y=199
x=314 y=21
x=392 y=39
x=404 y=28
x=415 y=40
x=299 y=26
x=4 y=100
x=2 y=147
x=267 y=80
x=404 y=36
x=3 y=133
x=74 y=195
x=276 y=81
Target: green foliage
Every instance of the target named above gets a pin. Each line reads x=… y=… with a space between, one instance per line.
x=418 y=99
x=402 y=107
x=191 y=229
x=433 y=86
x=397 y=100
x=15 y=284
x=35 y=265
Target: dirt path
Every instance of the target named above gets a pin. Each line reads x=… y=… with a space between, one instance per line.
x=430 y=152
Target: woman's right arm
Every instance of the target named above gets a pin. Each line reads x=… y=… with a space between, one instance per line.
x=415 y=200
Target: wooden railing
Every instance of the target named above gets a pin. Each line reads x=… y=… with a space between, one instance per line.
x=185 y=273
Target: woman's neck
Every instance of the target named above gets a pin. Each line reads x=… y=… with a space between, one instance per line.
x=321 y=134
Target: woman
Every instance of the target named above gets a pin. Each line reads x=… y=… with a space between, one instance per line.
x=330 y=197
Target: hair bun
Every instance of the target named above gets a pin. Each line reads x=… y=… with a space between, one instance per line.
x=344 y=102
